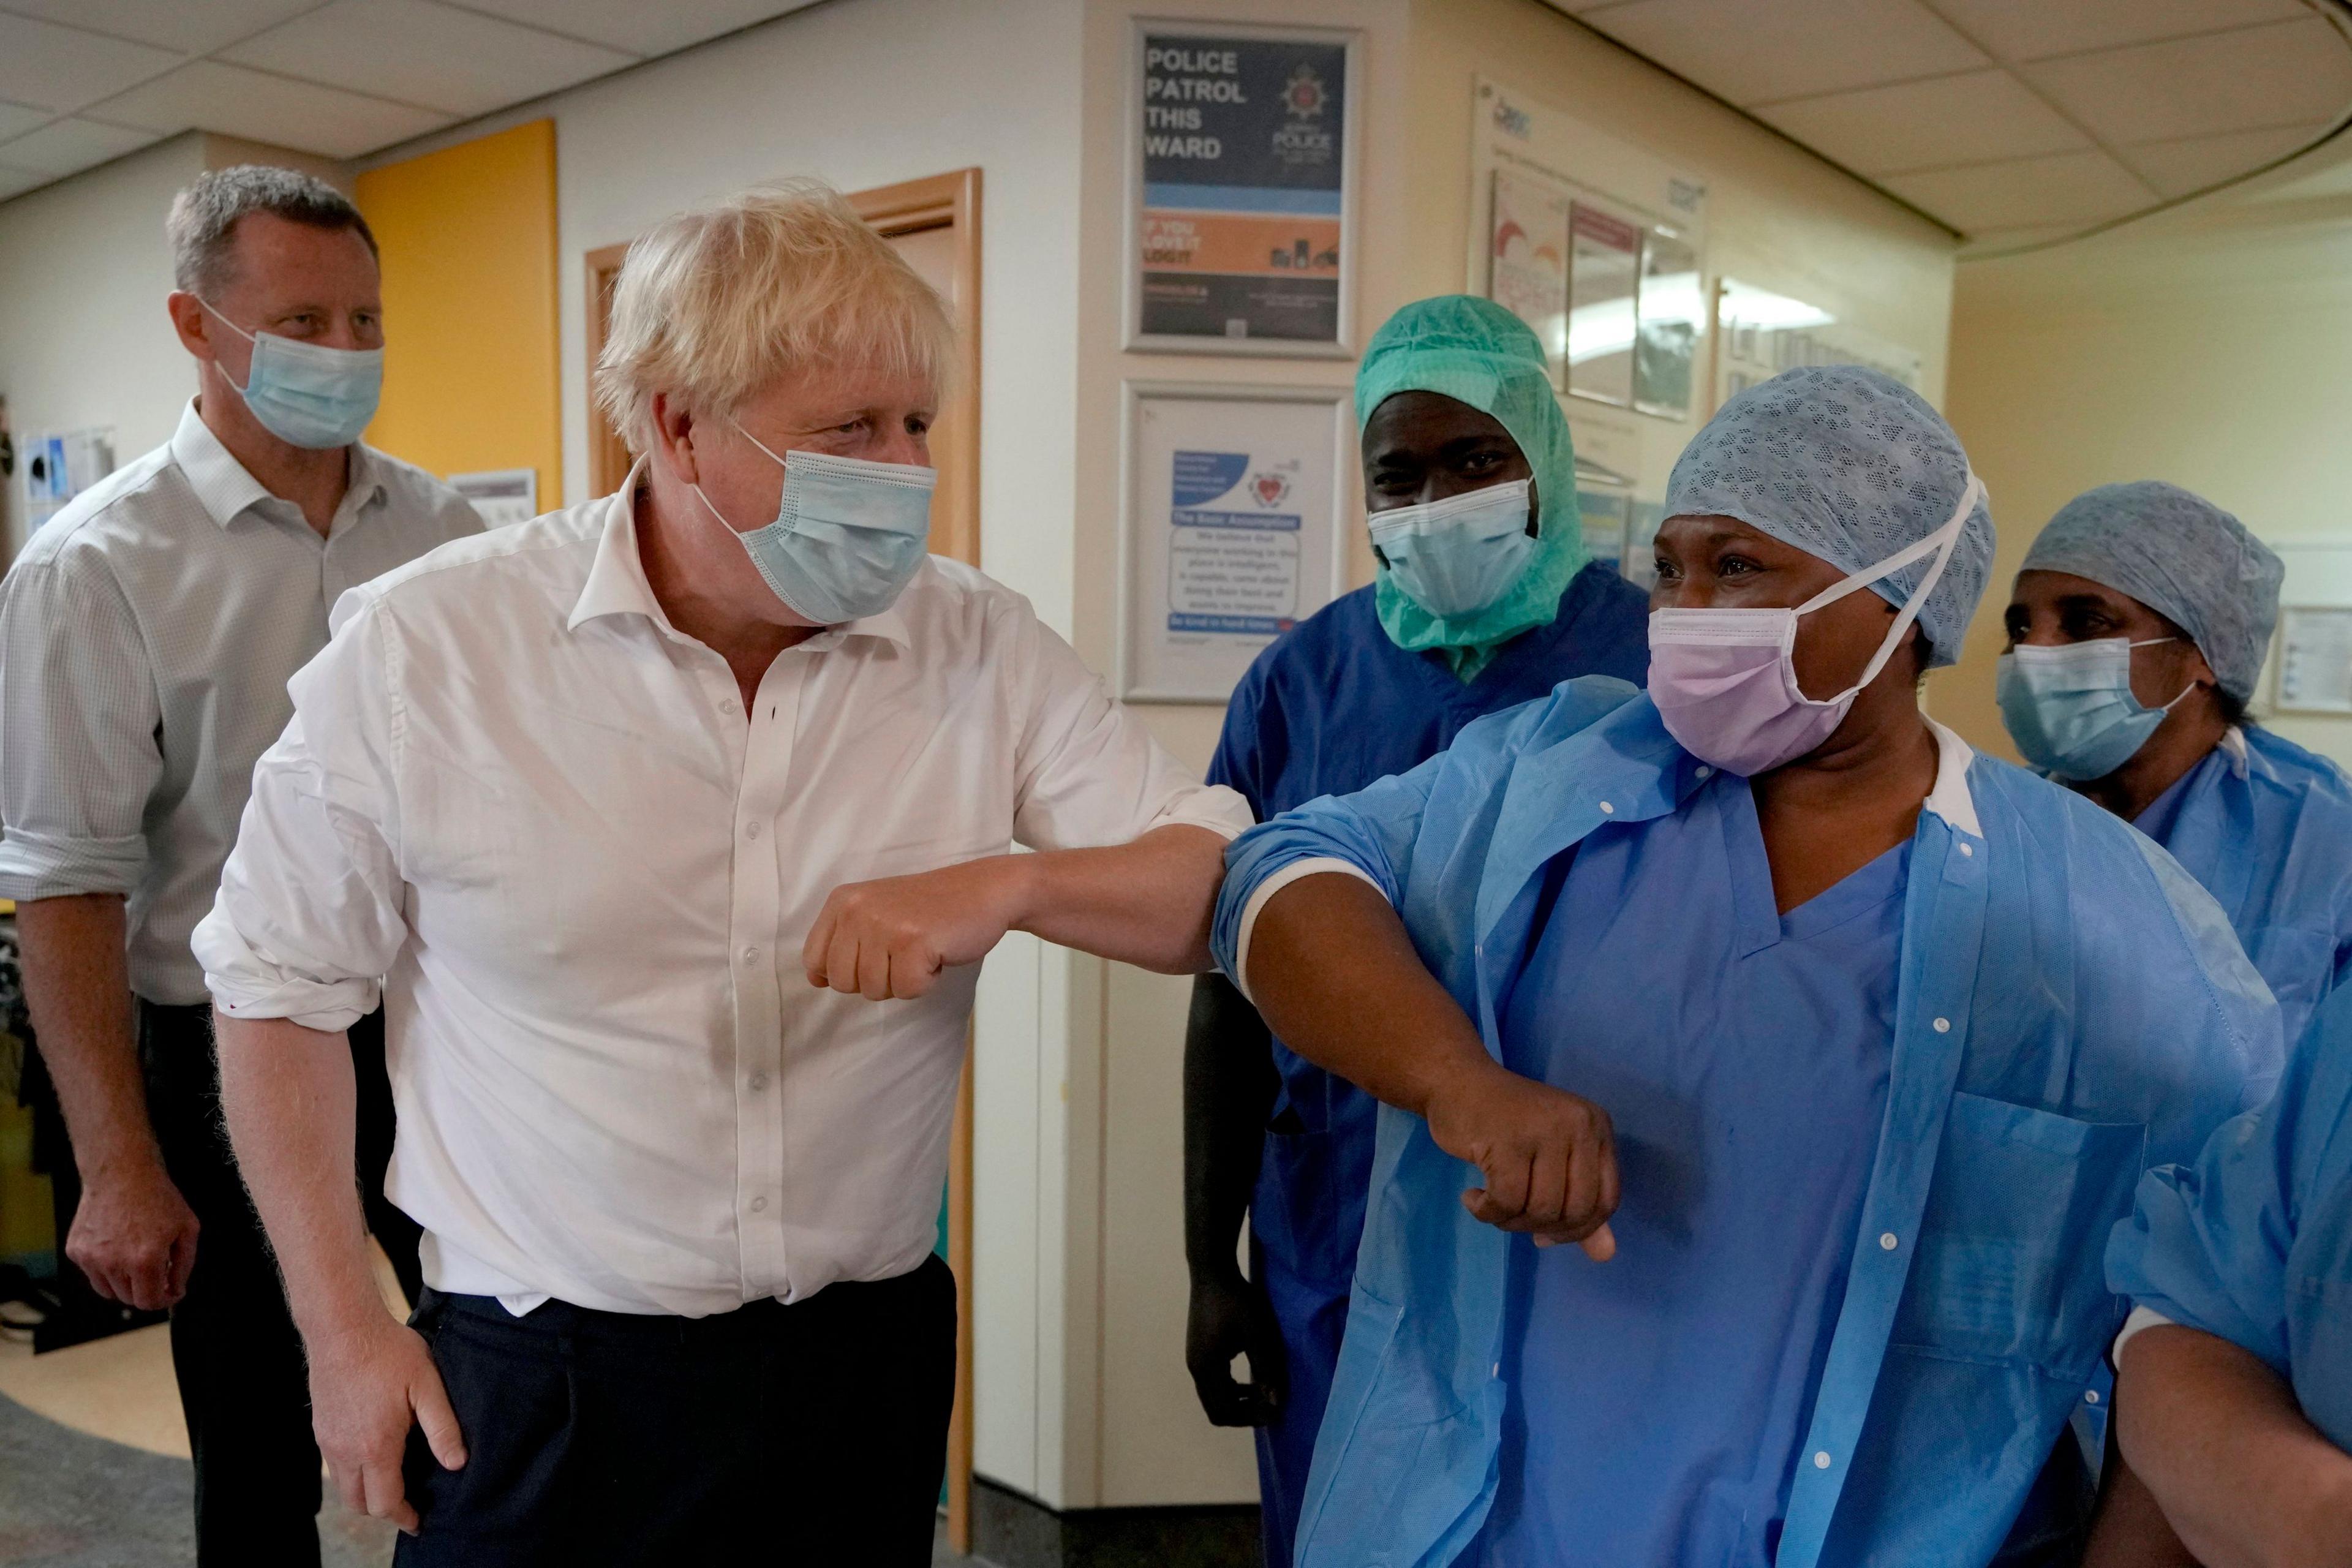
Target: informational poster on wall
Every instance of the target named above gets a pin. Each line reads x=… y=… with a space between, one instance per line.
x=502 y=496
x=60 y=467
x=1527 y=267
x=1243 y=171
x=2315 y=661
x=1604 y=269
x=1760 y=332
x=1232 y=530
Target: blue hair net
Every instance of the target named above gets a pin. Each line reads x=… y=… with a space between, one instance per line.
x=1849 y=465
x=2181 y=556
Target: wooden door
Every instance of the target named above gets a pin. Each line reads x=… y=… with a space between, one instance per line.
x=935 y=224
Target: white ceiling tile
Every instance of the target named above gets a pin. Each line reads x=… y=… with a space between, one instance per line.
x=299 y=114
x=192 y=26
x=1975 y=118
x=63 y=68
x=1753 y=54
x=16 y=118
x=2036 y=29
x=63 y=146
x=421 y=52
x=13 y=181
x=2071 y=188
x=2178 y=168
x=636 y=25
x=2284 y=73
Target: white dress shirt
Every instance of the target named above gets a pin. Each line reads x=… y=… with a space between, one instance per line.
x=538 y=812
x=146 y=637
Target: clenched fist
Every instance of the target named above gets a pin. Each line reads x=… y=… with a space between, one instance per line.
x=1549 y=1158
x=892 y=937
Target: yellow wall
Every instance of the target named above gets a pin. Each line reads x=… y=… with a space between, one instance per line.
x=2206 y=350
x=471 y=314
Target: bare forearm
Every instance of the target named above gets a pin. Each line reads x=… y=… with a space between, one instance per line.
x=289 y=1096
x=2242 y=1475
x=78 y=987
x=1336 y=976
x=1146 y=903
x=1229 y=1088
x=2130 y=1530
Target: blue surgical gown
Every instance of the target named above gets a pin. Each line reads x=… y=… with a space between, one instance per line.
x=1326 y=710
x=2253 y=1243
x=2069 y=1008
x=2266 y=827
x=1743 y=1056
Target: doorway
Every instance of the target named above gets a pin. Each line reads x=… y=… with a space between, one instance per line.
x=934 y=223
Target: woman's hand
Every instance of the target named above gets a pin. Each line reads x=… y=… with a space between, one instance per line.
x=1549 y=1158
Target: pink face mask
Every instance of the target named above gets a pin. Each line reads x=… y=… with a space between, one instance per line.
x=1726 y=680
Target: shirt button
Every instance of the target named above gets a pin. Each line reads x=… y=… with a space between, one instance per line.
x=751 y=830
x=758 y=1082
x=1499 y=1371
x=1943 y=1025
x=730 y=706
x=1822 y=1460
x=1607 y=809
x=1968 y=851
x=2092 y=1395
x=760 y=1205
x=1705 y=771
x=1886 y=1242
x=751 y=954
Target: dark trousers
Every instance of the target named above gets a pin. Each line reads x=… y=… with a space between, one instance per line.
x=234 y=1349
x=809 y=1435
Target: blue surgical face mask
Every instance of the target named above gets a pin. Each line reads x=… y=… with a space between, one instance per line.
x=1456 y=556
x=848 y=536
x=2071 y=710
x=308 y=394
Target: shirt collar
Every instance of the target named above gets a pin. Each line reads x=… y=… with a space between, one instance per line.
x=223 y=487
x=616 y=581
x=1951 y=799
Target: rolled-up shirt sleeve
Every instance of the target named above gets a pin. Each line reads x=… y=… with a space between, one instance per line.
x=79 y=712
x=310 y=912
x=1090 y=774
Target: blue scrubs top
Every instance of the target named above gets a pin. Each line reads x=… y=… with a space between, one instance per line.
x=1743 y=1056
x=2266 y=827
x=2253 y=1243
x=1330 y=708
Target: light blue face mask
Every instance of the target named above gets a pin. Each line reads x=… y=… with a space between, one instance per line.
x=2071 y=710
x=848 y=535
x=1454 y=557
x=308 y=394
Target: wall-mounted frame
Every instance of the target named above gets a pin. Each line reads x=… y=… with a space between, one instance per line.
x=1230 y=527
x=1242 y=165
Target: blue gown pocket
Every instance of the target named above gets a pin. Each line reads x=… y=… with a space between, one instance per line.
x=2011 y=1267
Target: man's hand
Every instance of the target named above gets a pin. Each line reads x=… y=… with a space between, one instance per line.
x=1231 y=1317
x=134 y=1236
x=891 y=938
x=368 y=1386
x=1549 y=1158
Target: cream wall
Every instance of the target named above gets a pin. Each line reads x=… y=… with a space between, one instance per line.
x=1778 y=217
x=2207 y=350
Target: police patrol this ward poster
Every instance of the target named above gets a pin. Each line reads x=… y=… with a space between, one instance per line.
x=1241 y=212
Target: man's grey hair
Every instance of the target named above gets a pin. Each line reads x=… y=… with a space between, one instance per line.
x=203 y=225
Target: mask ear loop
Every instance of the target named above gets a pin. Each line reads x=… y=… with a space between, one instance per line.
x=1942 y=543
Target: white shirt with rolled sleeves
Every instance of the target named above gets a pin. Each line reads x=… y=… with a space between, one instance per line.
x=514 y=791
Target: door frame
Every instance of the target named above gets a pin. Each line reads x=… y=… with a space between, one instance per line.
x=940 y=201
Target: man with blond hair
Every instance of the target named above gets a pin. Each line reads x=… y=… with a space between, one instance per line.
x=639 y=811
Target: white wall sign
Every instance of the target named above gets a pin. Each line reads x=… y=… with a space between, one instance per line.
x=60 y=467
x=1759 y=334
x=1231 y=532
x=502 y=496
x=2315 y=660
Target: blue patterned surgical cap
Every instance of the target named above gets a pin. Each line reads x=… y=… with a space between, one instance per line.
x=2181 y=556
x=1851 y=465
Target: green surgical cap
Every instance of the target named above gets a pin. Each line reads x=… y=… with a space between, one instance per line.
x=1476 y=351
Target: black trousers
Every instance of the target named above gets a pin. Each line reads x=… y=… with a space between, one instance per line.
x=811 y=1435
x=234 y=1349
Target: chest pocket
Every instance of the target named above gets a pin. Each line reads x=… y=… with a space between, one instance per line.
x=2298 y=965
x=2011 y=1264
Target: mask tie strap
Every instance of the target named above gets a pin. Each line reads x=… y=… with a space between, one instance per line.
x=1945 y=540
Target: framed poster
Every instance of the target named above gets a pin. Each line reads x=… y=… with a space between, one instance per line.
x=1759 y=334
x=1232 y=531
x=1671 y=319
x=2314 y=660
x=1604 y=273
x=1528 y=271
x=1242 y=177
x=503 y=497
